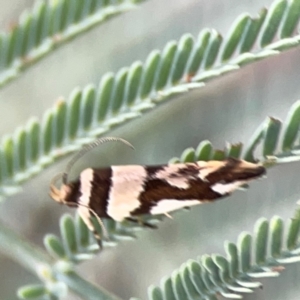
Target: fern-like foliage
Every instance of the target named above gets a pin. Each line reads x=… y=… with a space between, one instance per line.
x=77 y=243
x=213 y=274
x=125 y=95
x=267 y=135
x=119 y=97
x=49 y=24
x=274 y=243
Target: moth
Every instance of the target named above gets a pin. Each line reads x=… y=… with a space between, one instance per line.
x=130 y=191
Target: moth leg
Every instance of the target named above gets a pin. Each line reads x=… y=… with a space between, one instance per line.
x=243 y=187
x=141 y=222
x=88 y=222
x=168 y=215
x=98 y=239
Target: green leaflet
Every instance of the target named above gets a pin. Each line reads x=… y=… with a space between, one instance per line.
x=238 y=30
x=54 y=246
x=121 y=97
x=229 y=276
x=48 y=25
x=32 y=291
x=273 y=20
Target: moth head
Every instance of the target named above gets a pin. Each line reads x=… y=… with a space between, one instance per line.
x=59 y=194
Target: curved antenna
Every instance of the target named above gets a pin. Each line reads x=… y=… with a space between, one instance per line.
x=55 y=178
x=86 y=149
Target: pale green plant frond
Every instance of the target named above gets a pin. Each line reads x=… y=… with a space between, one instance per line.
x=277 y=140
x=262 y=254
x=57 y=287
x=61 y=279
x=77 y=243
x=120 y=97
x=93 y=111
x=212 y=274
x=57 y=276
x=49 y=24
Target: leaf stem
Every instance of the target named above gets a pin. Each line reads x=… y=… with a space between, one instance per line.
x=84 y=288
x=20 y=250
x=33 y=258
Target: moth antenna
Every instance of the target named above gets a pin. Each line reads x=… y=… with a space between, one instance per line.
x=104 y=231
x=88 y=148
x=56 y=178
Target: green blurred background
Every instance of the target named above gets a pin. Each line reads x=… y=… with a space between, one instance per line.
x=228 y=109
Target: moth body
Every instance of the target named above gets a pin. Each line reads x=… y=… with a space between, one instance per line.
x=120 y=192
x=127 y=192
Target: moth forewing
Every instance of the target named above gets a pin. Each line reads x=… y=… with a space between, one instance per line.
x=122 y=192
